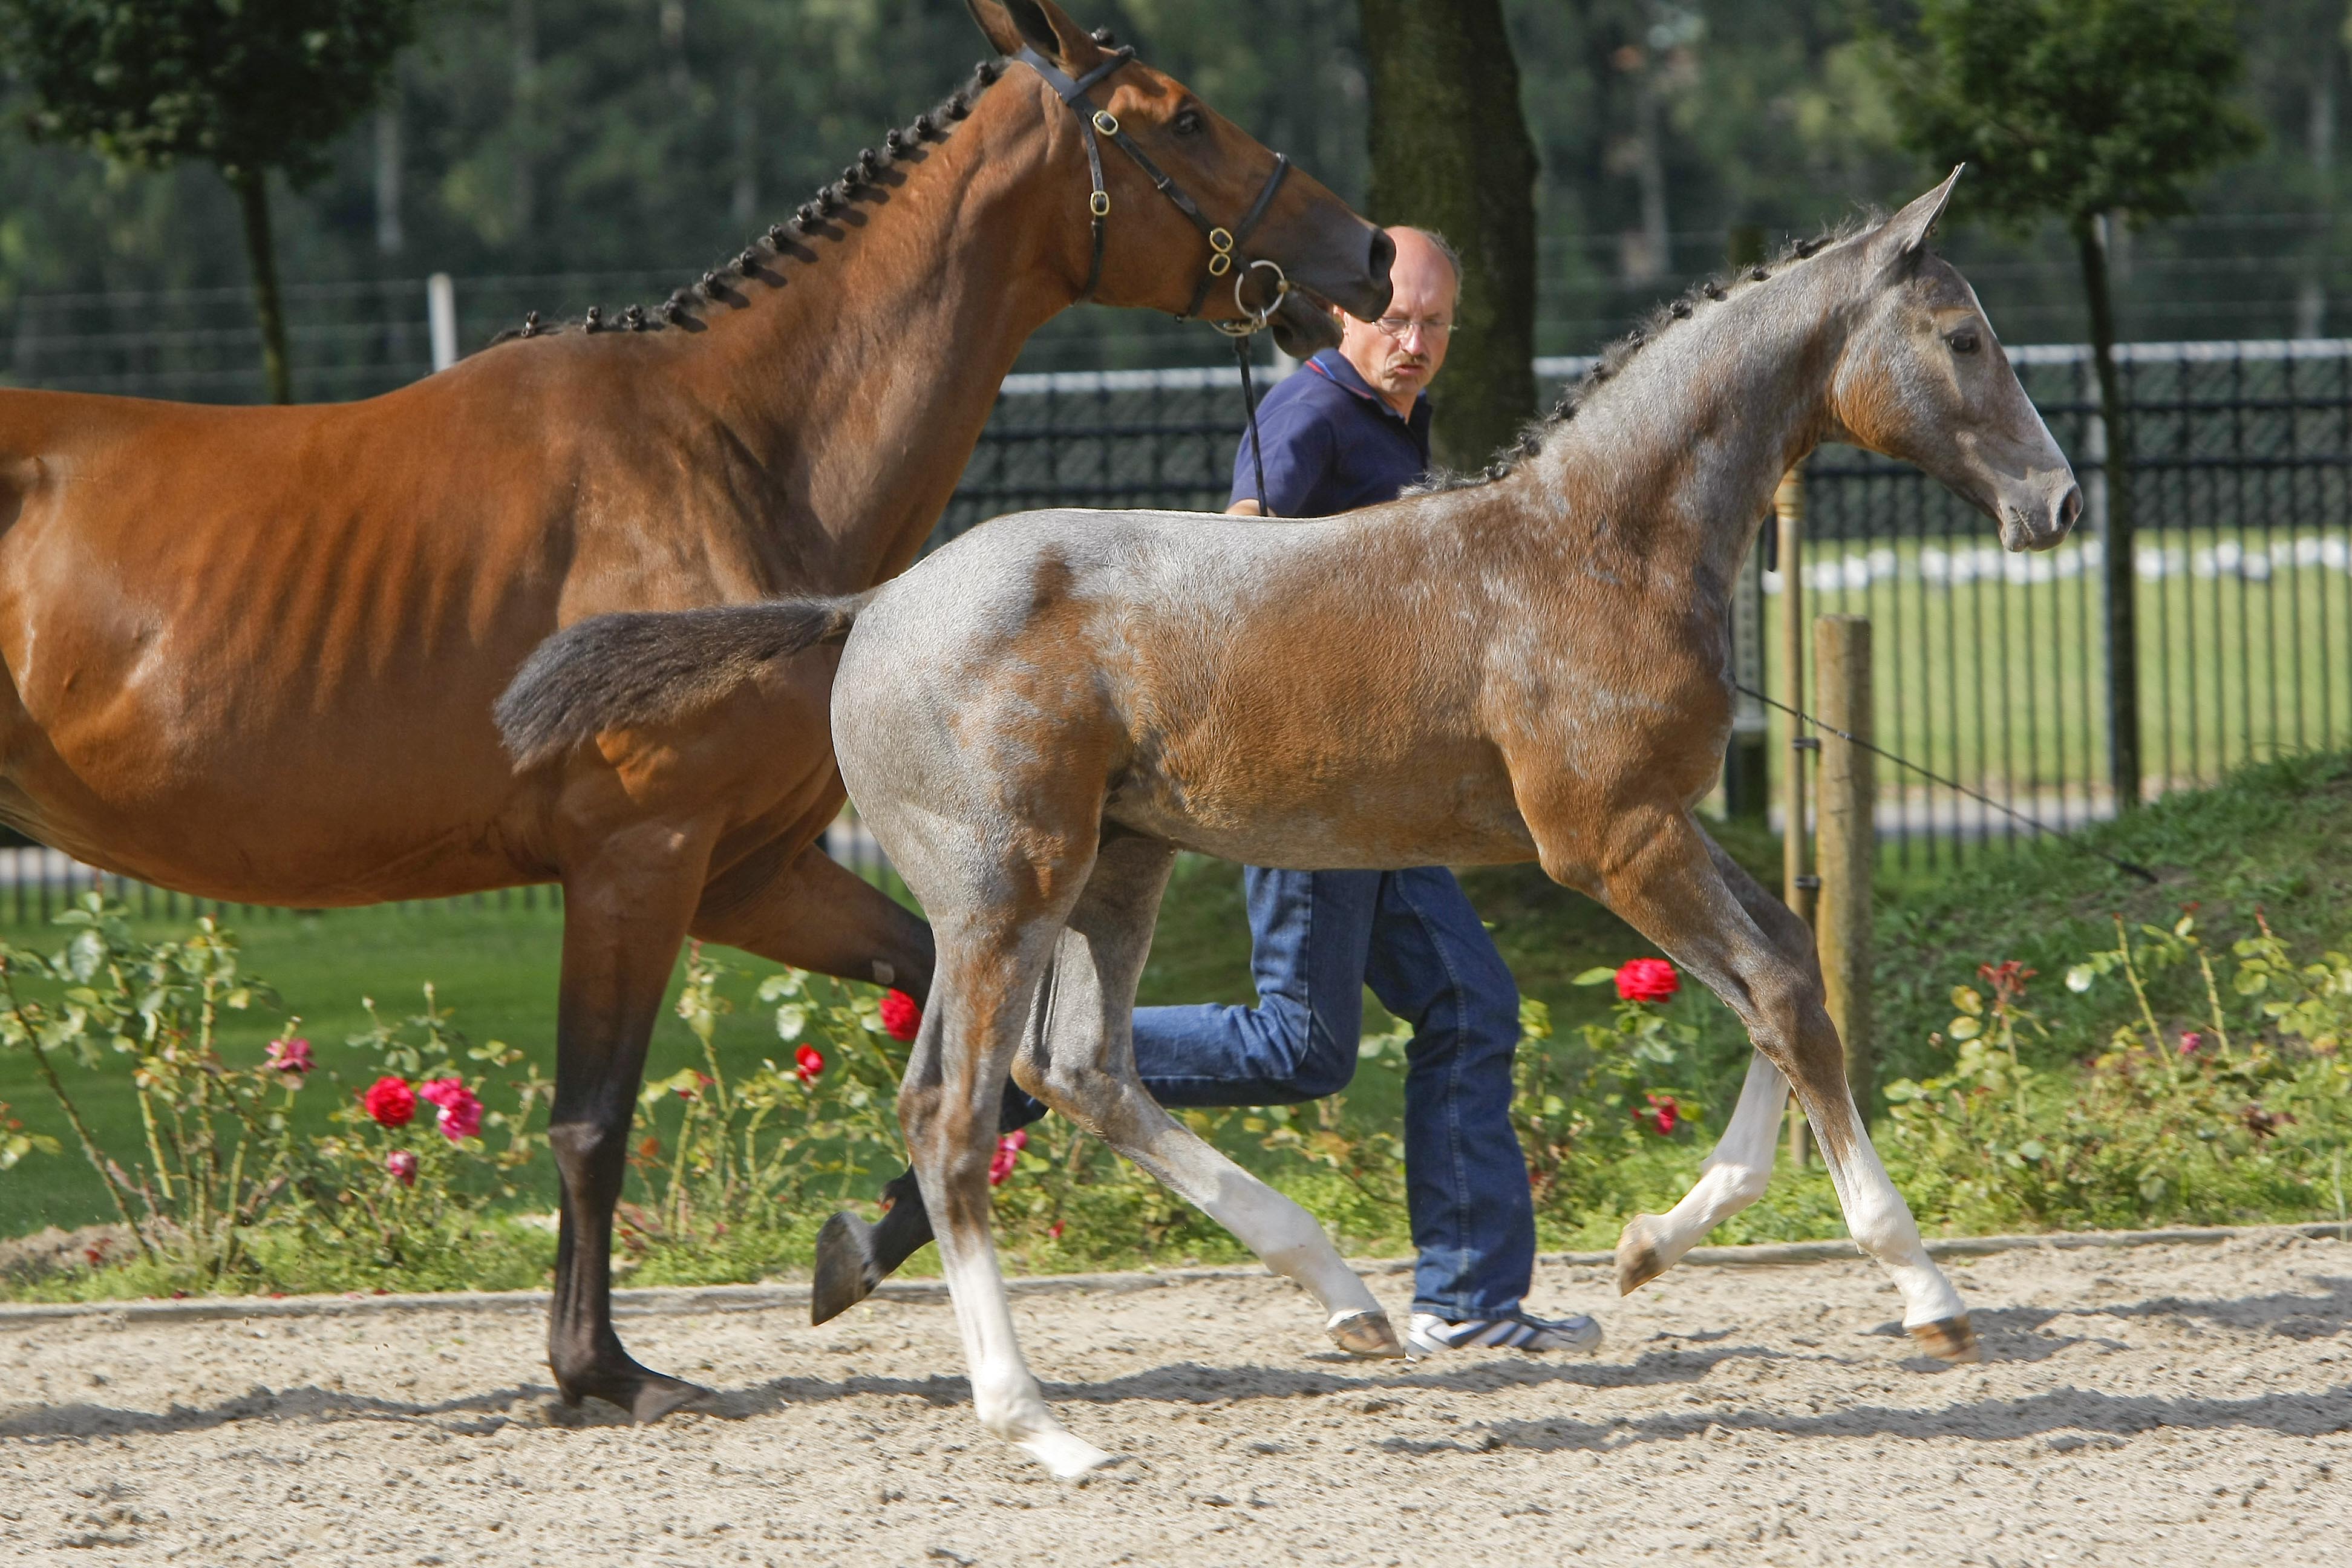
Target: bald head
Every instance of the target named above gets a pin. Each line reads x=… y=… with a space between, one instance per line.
x=1426 y=283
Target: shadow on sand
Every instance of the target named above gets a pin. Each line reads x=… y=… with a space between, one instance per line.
x=2011 y=1334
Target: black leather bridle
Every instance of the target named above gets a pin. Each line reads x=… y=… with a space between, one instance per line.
x=1224 y=244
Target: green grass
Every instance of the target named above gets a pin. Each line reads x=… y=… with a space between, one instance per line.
x=2277 y=837
x=2004 y=680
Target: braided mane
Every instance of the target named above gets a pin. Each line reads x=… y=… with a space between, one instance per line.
x=1613 y=359
x=776 y=244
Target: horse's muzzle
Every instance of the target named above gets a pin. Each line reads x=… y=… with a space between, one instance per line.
x=2041 y=522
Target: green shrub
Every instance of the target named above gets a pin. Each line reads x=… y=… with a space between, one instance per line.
x=2237 y=1120
x=2235 y=1113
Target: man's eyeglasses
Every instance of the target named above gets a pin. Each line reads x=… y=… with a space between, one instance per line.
x=1400 y=327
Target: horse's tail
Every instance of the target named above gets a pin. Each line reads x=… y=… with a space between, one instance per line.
x=619 y=672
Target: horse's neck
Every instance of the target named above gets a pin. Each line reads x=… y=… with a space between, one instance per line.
x=861 y=385
x=1688 y=442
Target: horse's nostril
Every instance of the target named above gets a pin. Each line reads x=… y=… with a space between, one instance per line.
x=1383 y=253
x=2071 y=506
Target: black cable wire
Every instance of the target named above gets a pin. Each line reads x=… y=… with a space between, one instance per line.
x=2128 y=867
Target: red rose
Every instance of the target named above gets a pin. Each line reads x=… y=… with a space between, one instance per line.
x=461 y=1112
x=1660 y=1115
x=1008 y=1154
x=1648 y=979
x=901 y=1016
x=811 y=1062
x=390 y=1100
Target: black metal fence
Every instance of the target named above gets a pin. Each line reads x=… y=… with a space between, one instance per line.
x=344 y=339
x=1989 y=667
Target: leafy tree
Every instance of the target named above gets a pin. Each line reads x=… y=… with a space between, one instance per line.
x=247 y=85
x=2085 y=111
x=1451 y=152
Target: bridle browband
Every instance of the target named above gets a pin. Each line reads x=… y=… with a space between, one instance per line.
x=1224 y=243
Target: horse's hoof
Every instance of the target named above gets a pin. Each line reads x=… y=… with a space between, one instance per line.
x=659 y=1396
x=1068 y=1457
x=1949 y=1339
x=845 y=1270
x=1638 y=1262
x=648 y=1395
x=1368 y=1334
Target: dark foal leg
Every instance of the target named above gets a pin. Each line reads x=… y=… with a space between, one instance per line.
x=622 y=923
x=816 y=914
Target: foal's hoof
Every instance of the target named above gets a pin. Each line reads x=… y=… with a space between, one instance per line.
x=1368 y=1334
x=1638 y=1262
x=1069 y=1458
x=847 y=1272
x=648 y=1395
x=1949 y=1339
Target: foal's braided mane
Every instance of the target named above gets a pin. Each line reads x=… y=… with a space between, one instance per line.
x=1613 y=359
x=775 y=244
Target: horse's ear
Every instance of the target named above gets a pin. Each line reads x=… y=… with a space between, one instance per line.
x=1903 y=238
x=1040 y=25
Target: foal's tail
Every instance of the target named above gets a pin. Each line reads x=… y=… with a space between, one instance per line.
x=620 y=671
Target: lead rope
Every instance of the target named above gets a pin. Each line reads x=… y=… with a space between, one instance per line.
x=1243 y=332
x=2128 y=867
x=1249 y=407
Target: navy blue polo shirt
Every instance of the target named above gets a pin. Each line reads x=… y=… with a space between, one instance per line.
x=1332 y=444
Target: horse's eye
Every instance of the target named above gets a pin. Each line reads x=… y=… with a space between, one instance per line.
x=1188 y=123
x=1963 y=341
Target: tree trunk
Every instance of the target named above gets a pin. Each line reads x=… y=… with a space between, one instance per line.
x=2119 y=569
x=1450 y=152
x=252 y=187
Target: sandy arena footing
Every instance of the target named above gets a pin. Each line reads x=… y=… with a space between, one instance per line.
x=2169 y=1403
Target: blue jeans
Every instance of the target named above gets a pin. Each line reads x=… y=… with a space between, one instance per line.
x=1319 y=938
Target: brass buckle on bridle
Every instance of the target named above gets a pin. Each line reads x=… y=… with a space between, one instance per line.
x=1221 y=251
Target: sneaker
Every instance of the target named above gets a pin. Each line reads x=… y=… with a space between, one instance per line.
x=1513 y=1331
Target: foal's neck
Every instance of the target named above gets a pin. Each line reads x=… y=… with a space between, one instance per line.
x=1685 y=442
x=859 y=387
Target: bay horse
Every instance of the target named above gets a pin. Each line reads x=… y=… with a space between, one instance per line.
x=251 y=652
x=1532 y=665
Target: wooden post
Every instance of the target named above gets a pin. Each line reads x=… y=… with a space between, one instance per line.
x=1797 y=883
x=1847 y=852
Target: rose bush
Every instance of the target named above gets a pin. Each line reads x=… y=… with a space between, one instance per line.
x=226 y=1191
x=2233 y=1109
x=2238 y=1118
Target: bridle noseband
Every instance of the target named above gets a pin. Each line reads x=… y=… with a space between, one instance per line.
x=1224 y=244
